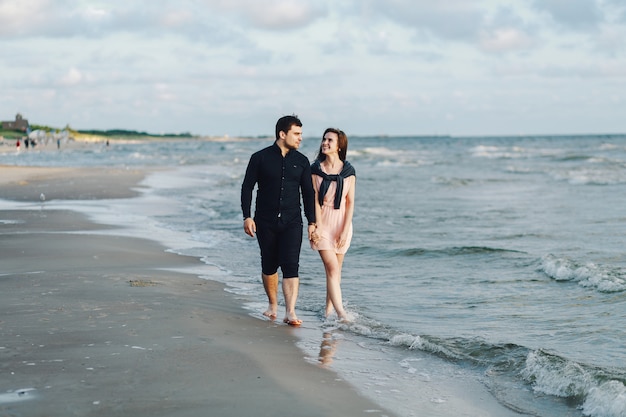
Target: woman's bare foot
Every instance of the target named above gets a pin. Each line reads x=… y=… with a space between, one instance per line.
x=342 y=316
x=344 y=319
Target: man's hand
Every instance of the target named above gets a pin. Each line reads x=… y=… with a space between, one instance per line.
x=249 y=226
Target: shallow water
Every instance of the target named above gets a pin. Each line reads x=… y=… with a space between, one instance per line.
x=496 y=259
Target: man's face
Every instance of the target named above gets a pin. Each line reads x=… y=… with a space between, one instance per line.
x=293 y=137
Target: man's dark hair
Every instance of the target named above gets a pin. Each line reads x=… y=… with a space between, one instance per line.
x=284 y=124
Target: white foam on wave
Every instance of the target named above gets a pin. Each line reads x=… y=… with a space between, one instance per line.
x=556 y=376
x=386 y=157
x=603 y=278
x=419 y=343
x=560 y=377
x=498 y=152
x=22 y=394
x=512 y=152
x=606 y=400
x=381 y=151
x=590 y=175
x=11 y=221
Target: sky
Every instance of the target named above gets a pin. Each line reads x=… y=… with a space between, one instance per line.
x=368 y=67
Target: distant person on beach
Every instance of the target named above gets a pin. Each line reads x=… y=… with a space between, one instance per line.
x=283 y=175
x=334 y=181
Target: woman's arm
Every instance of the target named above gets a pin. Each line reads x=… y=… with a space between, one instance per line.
x=313 y=236
x=349 y=211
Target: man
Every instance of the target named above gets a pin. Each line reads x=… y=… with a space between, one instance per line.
x=282 y=174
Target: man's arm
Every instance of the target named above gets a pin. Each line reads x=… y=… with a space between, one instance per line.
x=247 y=187
x=308 y=194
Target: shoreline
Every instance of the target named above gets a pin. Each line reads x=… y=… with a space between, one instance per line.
x=102 y=325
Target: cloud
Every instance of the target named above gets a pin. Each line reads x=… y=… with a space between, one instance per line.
x=36 y=18
x=362 y=64
x=24 y=17
x=176 y=19
x=495 y=30
x=272 y=14
x=610 y=41
x=505 y=30
x=72 y=77
x=572 y=14
x=458 y=20
x=505 y=40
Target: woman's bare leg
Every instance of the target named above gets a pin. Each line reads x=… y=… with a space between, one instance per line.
x=332 y=264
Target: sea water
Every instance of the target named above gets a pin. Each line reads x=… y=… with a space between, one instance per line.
x=496 y=260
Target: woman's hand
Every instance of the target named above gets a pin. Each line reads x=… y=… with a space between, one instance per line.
x=343 y=238
x=313 y=236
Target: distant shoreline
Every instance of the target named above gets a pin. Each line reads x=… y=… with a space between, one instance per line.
x=122 y=136
x=9 y=145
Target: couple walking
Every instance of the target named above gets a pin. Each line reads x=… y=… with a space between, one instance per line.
x=282 y=175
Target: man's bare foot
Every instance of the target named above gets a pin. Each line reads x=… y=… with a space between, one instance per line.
x=270 y=314
x=293 y=321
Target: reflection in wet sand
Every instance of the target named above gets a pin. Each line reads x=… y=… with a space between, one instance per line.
x=327 y=349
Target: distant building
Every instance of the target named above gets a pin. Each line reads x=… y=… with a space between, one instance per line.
x=20 y=124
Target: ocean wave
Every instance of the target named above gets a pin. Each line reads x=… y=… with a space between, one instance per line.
x=453 y=251
x=424 y=252
x=453 y=182
x=510 y=152
x=431 y=253
x=591 y=176
x=384 y=157
x=380 y=151
x=589 y=169
x=495 y=152
x=601 y=394
x=424 y=343
x=502 y=358
x=603 y=278
x=597 y=392
x=511 y=370
x=606 y=400
x=574 y=158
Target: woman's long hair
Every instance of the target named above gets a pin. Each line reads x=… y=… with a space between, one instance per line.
x=342 y=142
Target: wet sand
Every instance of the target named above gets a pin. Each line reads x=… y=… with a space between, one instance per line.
x=96 y=324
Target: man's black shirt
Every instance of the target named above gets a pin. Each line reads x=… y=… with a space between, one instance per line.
x=279 y=180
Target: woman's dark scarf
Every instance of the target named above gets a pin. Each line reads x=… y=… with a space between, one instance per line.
x=346 y=171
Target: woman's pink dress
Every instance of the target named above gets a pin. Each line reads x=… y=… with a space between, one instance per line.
x=330 y=226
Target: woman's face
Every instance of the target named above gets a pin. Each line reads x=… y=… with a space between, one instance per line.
x=330 y=143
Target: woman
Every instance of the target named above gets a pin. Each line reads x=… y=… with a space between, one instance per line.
x=334 y=180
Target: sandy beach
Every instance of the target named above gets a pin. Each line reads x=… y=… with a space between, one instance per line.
x=98 y=325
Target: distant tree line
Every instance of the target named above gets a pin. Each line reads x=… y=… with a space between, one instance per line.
x=122 y=132
x=110 y=132
x=44 y=128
